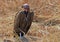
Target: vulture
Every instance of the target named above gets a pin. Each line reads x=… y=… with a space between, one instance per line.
x=22 y=22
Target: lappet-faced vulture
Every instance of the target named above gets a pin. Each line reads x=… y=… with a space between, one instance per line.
x=22 y=22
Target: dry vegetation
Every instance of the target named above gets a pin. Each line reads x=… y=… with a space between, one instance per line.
x=46 y=23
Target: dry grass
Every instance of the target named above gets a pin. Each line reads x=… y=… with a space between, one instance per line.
x=43 y=9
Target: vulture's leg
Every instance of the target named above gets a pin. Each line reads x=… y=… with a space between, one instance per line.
x=24 y=39
x=21 y=34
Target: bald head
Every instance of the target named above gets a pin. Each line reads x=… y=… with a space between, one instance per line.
x=26 y=7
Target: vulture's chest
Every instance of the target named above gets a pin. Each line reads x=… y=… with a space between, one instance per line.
x=25 y=17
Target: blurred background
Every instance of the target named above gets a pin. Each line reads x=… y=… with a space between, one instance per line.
x=46 y=23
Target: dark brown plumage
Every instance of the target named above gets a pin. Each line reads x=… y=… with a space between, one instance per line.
x=23 y=23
